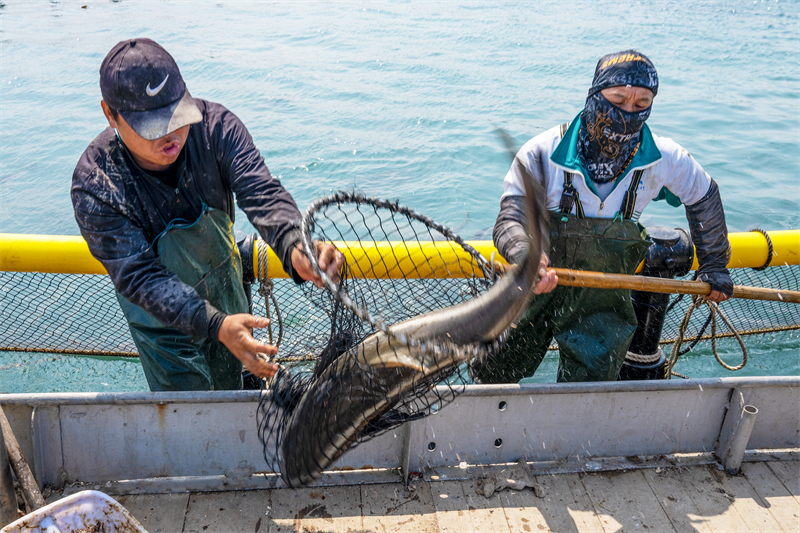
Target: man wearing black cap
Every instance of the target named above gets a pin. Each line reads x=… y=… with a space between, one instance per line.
x=599 y=172
x=153 y=196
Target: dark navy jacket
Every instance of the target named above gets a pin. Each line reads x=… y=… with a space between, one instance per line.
x=121 y=209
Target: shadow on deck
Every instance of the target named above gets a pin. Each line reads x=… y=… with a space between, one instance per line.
x=765 y=497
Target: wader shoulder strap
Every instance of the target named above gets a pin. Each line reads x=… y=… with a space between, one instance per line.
x=629 y=200
x=569 y=195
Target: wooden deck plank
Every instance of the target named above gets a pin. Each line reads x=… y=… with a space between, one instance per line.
x=747 y=502
x=677 y=504
x=336 y=509
x=158 y=513
x=559 y=507
x=487 y=514
x=789 y=474
x=587 y=517
x=391 y=508
x=554 y=505
x=522 y=511
x=245 y=511
x=711 y=500
x=780 y=503
x=629 y=499
x=451 y=506
x=700 y=499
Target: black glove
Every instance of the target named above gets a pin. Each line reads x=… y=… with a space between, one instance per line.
x=719 y=281
x=710 y=237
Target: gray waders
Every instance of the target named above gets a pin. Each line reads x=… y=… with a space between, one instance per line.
x=593 y=327
x=203 y=254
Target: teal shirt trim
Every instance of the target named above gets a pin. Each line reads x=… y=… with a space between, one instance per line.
x=566 y=154
x=666 y=194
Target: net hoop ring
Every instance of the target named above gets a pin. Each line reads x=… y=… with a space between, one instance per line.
x=345 y=197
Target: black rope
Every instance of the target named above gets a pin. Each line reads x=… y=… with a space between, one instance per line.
x=699 y=335
x=673 y=303
x=769 y=249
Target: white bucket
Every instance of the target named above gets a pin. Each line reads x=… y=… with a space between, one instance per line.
x=88 y=510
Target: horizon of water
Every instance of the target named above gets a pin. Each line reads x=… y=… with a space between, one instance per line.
x=399 y=100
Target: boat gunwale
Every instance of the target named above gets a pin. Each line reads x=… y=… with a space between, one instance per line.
x=129 y=398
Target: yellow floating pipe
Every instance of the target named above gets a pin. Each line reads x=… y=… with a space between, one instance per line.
x=274 y=265
x=397 y=259
x=749 y=250
x=70 y=255
x=409 y=260
x=52 y=254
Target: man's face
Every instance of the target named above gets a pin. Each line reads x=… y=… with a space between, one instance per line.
x=627 y=98
x=150 y=155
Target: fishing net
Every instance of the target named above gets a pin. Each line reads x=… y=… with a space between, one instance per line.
x=378 y=369
x=749 y=317
x=79 y=314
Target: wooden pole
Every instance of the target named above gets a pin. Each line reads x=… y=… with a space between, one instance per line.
x=9 y=509
x=600 y=280
x=30 y=489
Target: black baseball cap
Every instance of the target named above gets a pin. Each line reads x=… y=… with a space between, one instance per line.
x=142 y=82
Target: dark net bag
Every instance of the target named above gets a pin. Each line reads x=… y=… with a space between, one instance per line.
x=413 y=310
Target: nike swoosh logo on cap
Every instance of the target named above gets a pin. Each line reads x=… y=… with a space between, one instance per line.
x=153 y=92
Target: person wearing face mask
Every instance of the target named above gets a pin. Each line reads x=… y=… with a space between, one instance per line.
x=599 y=172
x=153 y=196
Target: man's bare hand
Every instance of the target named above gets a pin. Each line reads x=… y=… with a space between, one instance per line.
x=547 y=277
x=721 y=285
x=717 y=296
x=236 y=333
x=329 y=258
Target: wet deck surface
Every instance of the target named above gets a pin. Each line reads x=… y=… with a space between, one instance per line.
x=764 y=498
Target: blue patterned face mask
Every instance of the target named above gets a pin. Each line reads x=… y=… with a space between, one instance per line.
x=609 y=136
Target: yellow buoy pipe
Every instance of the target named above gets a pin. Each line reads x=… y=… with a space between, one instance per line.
x=54 y=254
x=749 y=250
x=70 y=255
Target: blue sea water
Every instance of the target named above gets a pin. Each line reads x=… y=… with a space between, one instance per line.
x=399 y=100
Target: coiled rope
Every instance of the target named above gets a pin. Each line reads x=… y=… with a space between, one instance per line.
x=266 y=291
x=714 y=310
x=702 y=329
x=643 y=359
x=769 y=249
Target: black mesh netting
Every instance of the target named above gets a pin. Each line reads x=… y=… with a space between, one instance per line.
x=79 y=314
x=374 y=375
x=747 y=316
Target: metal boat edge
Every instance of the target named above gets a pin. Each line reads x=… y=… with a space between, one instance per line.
x=143 y=442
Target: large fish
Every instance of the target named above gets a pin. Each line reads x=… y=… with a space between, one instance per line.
x=368 y=380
